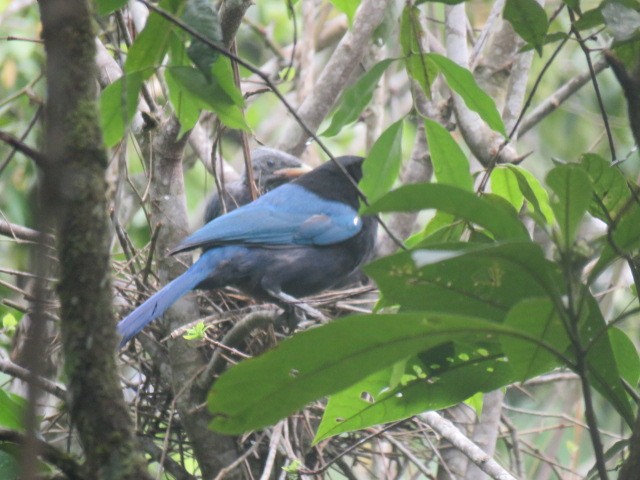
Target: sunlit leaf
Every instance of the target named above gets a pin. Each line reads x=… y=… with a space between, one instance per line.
x=450 y=164
x=505 y=184
x=382 y=165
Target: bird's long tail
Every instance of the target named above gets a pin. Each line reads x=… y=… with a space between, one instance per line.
x=160 y=301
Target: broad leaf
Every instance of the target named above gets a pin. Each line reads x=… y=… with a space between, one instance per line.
x=539 y=318
x=11 y=410
x=105 y=7
x=610 y=189
x=347 y=7
x=573 y=191
x=535 y=194
x=501 y=221
x=411 y=35
x=382 y=166
x=481 y=280
x=504 y=183
x=118 y=104
x=356 y=98
x=450 y=164
x=529 y=20
x=461 y=81
x=202 y=18
x=321 y=361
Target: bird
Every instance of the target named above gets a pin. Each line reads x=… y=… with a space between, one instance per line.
x=271 y=168
x=296 y=240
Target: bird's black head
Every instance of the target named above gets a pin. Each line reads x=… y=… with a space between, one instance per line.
x=329 y=181
x=271 y=167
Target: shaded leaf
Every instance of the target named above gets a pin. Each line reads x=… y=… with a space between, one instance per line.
x=356 y=98
x=324 y=360
x=382 y=165
x=201 y=17
x=105 y=7
x=485 y=281
x=539 y=318
x=573 y=191
x=529 y=20
x=418 y=65
x=503 y=223
x=185 y=106
x=118 y=104
x=461 y=81
x=610 y=188
x=450 y=164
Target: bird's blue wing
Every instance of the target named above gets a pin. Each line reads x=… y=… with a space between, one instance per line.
x=287 y=215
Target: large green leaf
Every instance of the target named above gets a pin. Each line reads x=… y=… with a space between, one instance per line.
x=185 y=105
x=105 y=7
x=373 y=401
x=504 y=183
x=529 y=20
x=535 y=194
x=11 y=410
x=201 y=17
x=450 y=164
x=540 y=319
x=210 y=95
x=502 y=221
x=118 y=104
x=485 y=281
x=461 y=81
x=610 y=189
x=327 y=359
x=382 y=166
x=418 y=65
x=573 y=191
x=356 y=97
x=347 y=7
x=605 y=373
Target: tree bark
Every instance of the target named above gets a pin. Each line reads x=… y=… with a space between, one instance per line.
x=74 y=195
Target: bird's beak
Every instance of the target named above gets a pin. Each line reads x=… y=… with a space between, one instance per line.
x=291 y=173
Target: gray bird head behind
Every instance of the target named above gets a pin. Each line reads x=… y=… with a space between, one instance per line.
x=272 y=168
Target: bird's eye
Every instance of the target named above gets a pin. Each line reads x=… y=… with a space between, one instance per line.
x=271 y=162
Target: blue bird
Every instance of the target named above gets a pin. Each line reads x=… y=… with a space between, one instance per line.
x=296 y=240
x=271 y=168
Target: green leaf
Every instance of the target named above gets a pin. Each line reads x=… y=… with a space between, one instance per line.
x=450 y=164
x=446 y=2
x=610 y=189
x=105 y=7
x=484 y=280
x=590 y=19
x=223 y=75
x=382 y=165
x=502 y=222
x=625 y=237
x=150 y=46
x=9 y=464
x=538 y=318
x=418 y=64
x=9 y=323
x=604 y=373
x=210 y=96
x=356 y=98
x=324 y=360
x=461 y=81
x=424 y=387
x=626 y=355
x=505 y=184
x=347 y=7
x=186 y=107
x=118 y=104
x=11 y=410
x=535 y=194
x=529 y=20
x=573 y=191
x=201 y=17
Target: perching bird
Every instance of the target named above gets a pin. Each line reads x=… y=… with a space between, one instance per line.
x=294 y=241
x=271 y=168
